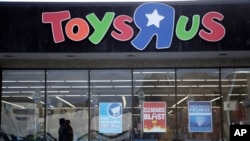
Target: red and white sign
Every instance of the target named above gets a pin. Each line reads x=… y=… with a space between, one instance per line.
x=154 y=117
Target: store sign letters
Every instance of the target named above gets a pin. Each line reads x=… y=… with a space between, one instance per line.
x=152 y=20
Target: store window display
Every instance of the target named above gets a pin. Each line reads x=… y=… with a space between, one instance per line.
x=128 y=99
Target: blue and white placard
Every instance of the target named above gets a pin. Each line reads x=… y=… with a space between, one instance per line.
x=200 y=116
x=110 y=117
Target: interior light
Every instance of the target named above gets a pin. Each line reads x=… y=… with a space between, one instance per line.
x=154 y=72
x=27 y=81
x=36 y=87
x=182 y=100
x=55 y=81
x=79 y=87
x=193 y=79
x=210 y=86
x=103 y=86
x=147 y=86
x=104 y=95
x=58 y=87
x=230 y=86
x=121 y=80
x=186 y=107
x=124 y=101
x=100 y=80
x=215 y=99
x=242 y=72
x=170 y=112
x=72 y=95
x=77 y=81
x=186 y=86
x=166 y=80
x=165 y=86
x=212 y=79
x=122 y=86
x=56 y=91
x=238 y=79
x=86 y=1
x=51 y=106
x=10 y=92
x=159 y=95
x=65 y=101
x=238 y=94
x=135 y=72
x=13 y=104
x=18 y=87
x=146 y=80
x=179 y=101
x=8 y=81
x=212 y=94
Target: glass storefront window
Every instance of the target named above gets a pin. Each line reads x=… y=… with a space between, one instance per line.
x=235 y=86
x=110 y=104
x=198 y=104
x=154 y=95
x=67 y=97
x=125 y=104
x=23 y=102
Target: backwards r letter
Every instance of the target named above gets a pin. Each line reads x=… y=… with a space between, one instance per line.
x=154 y=19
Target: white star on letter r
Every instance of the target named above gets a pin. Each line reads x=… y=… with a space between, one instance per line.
x=154 y=18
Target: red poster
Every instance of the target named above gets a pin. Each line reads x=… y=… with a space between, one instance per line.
x=154 y=117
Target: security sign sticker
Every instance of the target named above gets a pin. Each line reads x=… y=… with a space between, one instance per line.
x=110 y=117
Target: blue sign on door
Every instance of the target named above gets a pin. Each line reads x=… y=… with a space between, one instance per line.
x=110 y=117
x=200 y=116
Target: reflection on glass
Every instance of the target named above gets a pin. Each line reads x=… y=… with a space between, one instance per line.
x=121 y=100
x=154 y=88
x=110 y=104
x=199 y=87
x=236 y=92
x=22 y=104
x=67 y=98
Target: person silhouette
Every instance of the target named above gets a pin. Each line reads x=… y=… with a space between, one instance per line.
x=68 y=131
x=61 y=129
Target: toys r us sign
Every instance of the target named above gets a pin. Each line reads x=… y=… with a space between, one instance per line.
x=152 y=19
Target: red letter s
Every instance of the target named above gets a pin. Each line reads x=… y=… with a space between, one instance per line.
x=126 y=31
x=217 y=31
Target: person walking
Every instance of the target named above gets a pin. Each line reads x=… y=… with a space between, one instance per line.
x=68 y=131
x=61 y=129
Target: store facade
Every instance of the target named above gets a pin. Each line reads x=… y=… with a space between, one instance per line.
x=125 y=71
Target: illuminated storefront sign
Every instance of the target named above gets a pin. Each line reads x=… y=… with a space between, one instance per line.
x=110 y=117
x=200 y=116
x=154 y=117
x=152 y=20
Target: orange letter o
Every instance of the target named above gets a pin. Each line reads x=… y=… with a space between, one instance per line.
x=82 y=31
